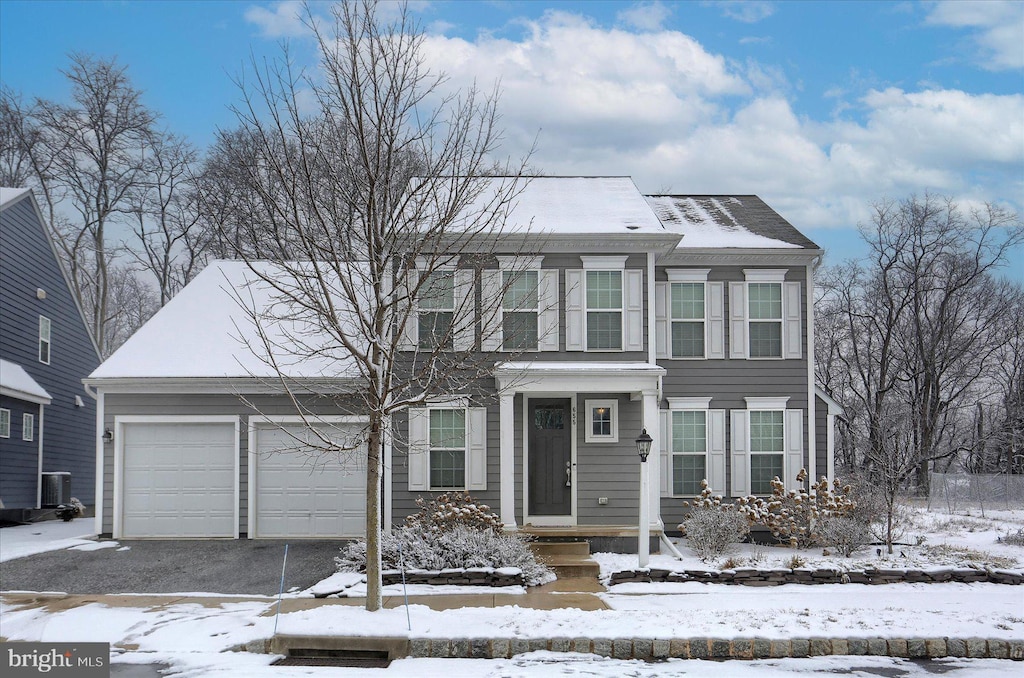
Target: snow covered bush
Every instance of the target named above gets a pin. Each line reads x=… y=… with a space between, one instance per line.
x=795 y=515
x=1014 y=538
x=711 y=527
x=459 y=546
x=846 y=534
x=453 y=509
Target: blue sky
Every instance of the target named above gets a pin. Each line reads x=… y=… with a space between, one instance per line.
x=820 y=107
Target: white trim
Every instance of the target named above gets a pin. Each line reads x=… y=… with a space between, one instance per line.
x=252 y=456
x=448 y=402
x=39 y=476
x=767 y=403
x=387 y=458
x=589 y=407
x=765 y=275
x=119 y=423
x=830 y=446
x=100 y=484
x=550 y=521
x=28 y=427
x=520 y=262
x=811 y=446
x=689 y=403
x=582 y=377
x=507 y=459
x=604 y=263
x=649 y=309
x=269 y=384
x=6 y=435
x=687 y=274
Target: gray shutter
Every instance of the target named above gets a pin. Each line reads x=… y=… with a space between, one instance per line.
x=465 y=311
x=714 y=297
x=716 y=450
x=794 y=448
x=547 y=316
x=633 y=291
x=573 y=310
x=737 y=320
x=740 y=454
x=662 y=334
x=476 y=457
x=665 y=419
x=410 y=336
x=491 y=288
x=419 y=449
x=792 y=332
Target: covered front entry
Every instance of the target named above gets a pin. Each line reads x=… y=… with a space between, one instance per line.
x=550 y=466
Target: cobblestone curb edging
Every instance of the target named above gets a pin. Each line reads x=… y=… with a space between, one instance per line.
x=466 y=577
x=776 y=577
x=721 y=648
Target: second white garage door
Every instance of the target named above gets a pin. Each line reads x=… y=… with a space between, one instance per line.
x=299 y=493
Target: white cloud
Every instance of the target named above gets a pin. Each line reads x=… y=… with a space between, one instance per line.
x=997 y=28
x=747 y=11
x=284 y=19
x=646 y=16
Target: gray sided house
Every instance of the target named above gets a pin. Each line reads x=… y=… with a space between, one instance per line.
x=687 y=316
x=47 y=422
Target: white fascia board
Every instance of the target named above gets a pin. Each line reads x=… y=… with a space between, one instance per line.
x=728 y=256
x=196 y=385
x=588 y=377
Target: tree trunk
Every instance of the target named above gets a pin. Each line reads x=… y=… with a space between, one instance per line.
x=374 y=599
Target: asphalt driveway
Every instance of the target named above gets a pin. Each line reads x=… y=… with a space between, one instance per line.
x=236 y=566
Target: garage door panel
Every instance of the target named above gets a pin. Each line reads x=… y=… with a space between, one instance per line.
x=302 y=494
x=179 y=479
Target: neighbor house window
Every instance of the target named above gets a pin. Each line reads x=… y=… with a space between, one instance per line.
x=604 y=310
x=28 y=425
x=436 y=309
x=44 y=340
x=767 y=440
x=687 y=320
x=689 y=451
x=5 y=423
x=765 y=319
x=520 y=306
x=447 y=449
x=602 y=421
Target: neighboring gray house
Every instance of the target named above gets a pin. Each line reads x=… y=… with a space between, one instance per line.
x=47 y=423
x=687 y=316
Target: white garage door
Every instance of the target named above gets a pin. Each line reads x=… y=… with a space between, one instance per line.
x=303 y=494
x=179 y=480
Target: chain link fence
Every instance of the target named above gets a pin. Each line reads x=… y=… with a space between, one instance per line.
x=955 y=491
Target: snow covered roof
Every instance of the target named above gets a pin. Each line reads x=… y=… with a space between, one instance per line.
x=208 y=331
x=16 y=383
x=8 y=195
x=719 y=221
x=572 y=206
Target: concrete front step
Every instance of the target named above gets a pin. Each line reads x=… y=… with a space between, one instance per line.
x=571 y=567
x=560 y=548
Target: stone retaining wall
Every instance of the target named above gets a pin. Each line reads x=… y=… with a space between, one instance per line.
x=777 y=577
x=721 y=648
x=465 y=577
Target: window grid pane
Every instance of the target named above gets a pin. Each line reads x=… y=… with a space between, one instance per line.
x=448 y=429
x=44 y=340
x=519 y=331
x=765 y=301
x=766 y=340
x=766 y=431
x=435 y=329
x=688 y=470
x=604 y=290
x=520 y=290
x=763 y=469
x=447 y=469
x=604 y=330
x=687 y=339
x=601 y=421
x=688 y=301
x=28 y=424
x=689 y=432
x=438 y=291
x=5 y=423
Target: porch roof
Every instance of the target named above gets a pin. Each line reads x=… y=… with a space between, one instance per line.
x=587 y=376
x=16 y=383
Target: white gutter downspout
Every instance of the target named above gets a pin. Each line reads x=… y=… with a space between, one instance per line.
x=812 y=438
x=652 y=358
x=97 y=395
x=39 y=475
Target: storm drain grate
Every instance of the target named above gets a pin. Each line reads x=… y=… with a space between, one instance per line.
x=368 y=659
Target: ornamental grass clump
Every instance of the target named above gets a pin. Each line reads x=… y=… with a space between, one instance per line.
x=711 y=527
x=450 y=532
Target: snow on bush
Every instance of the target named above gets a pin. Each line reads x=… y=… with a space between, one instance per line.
x=711 y=527
x=451 y=509
x=846 y=534
x=1014 y=538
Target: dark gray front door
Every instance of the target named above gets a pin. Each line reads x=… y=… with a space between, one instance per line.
x=550 y=457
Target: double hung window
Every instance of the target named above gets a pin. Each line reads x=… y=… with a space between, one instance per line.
x=765 y=319
x=44 y=340
x=28 y=426
x=689 y=448
x=767 y=449
x=604 y=310
x=687 y=319
x=5 y=423
x=447 y=449
x=520 y=308
x=437 y=310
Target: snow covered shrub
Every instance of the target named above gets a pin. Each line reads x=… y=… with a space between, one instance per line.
x=795 y=515
x=1014 y=538
x=711 y=527
x=460 y=546
x=453 y=509
x=846 y=534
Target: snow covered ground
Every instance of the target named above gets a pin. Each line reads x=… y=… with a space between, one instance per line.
x=50 y=535
x=192 y=637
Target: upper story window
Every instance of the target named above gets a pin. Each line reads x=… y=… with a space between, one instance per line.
x=44 y=340
x=520 y=310
x=436 y=309
x=689 y=314
x=28 y=426
x=604 y=310
x=447 y=449
x=765 y=319
x=5 y=423
x=687 y=320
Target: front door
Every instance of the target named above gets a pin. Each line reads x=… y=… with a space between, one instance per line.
x=550 y=462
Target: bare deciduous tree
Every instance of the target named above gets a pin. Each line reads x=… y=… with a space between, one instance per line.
x=367 y=183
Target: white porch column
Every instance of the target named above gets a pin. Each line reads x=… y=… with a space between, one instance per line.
x=506 y=414
x=653 y=426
